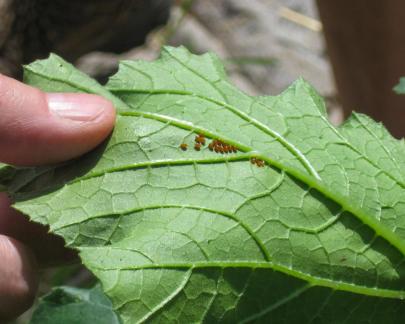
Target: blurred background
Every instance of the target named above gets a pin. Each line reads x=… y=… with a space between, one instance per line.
x=265 y=44
x=352 y=52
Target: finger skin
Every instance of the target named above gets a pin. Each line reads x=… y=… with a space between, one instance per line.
x=25 y=247
x=32 y=134
x=35 y=129
x=18 y=278
x=48 y=249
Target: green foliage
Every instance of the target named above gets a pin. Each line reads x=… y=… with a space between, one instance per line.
x=400 y=87
x=6 y=173
x=72 y=305
x=316 y=235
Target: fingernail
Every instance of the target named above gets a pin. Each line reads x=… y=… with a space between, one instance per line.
x=76 y=107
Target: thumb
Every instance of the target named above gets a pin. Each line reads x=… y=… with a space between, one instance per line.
x=42 y=128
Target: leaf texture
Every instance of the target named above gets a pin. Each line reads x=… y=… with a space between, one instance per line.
x=73 y=305
x=316 y=235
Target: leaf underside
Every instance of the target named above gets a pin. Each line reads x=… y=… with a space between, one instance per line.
x=316 y=235
x=72 y=305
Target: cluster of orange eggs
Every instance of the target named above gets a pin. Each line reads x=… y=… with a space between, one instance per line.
x=199 y=141
x=218 y=146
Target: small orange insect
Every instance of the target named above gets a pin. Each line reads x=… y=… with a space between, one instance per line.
x=183 y=146
x=197 y=146
x=211 y=146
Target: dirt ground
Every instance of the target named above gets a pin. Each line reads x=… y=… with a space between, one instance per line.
x=266 y=44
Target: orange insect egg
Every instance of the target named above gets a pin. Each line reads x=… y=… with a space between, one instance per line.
x=260 y=163
x=183 y=146
x=200 y=139
x=197 y=146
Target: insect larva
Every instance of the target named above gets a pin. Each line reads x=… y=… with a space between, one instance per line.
x=183 y=146
x=197 y=146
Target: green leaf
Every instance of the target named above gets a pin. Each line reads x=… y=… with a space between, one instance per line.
x=73 y=305
x=400 y=87
x=7 y=173
x=317 y=234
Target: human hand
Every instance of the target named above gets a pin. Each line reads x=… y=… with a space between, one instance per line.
x=35 y=129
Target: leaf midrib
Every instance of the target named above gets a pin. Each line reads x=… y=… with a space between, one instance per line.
x=286 y=144
x=311 y=279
